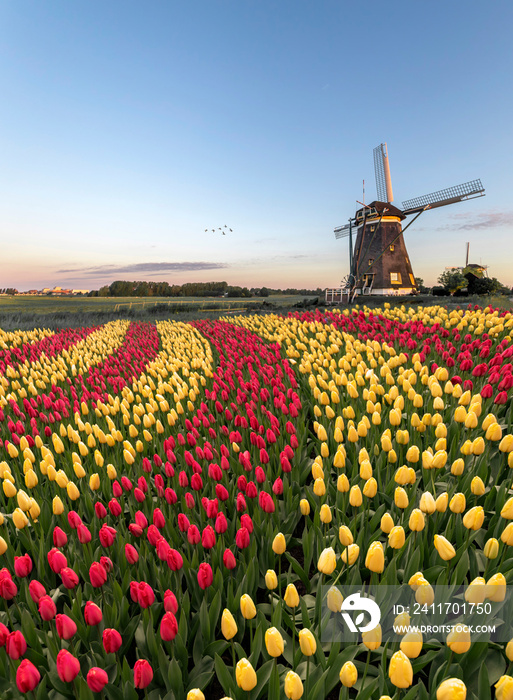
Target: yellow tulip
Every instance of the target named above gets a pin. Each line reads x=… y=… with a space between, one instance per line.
x=23 y=500
x=348 y=674
x=293 y=686
x=73 y=491
x=372 y=638
x=478 y=446
x=345 y=536
x=458 y=503
x=413 y=454
x=402 y=623
x=34 y=510
x=496 y=588
x=396 y=537
x=493 y=432
x=334 y=599
x=444 y=547
x=31 y=479
x=350 y=554
x=440 y=459
x=458 y=640
x=476 y=591
x=9 y=488
x=386 y=523
x=401 y=498
x=245 y=675
x=442 y=502
x=307 y=642
x=504 y=688
x=474 y=518
x=427 y=503
x=19 y=519
x=57 y=506
x=458 y=465
x=411 y=644
x=491 y=548
x=417 y=522
x=94 y=482
x=509 y=650
x=228 y=624
x=355 y=497
x=319 y=487
x=291 y=596
x=111 y=472
x=400 y=670
x=247 y=607
x=343 y=483
x=506 y=444
x=425 y=595
x=507 y=510
x=478 y=488
x=195 y=694
x=325 y=514
x=271 y=580
x=304 y=506
x=451 y=689
x=371 y=488
x=327 y=561
x=3 y=546
x=279 y=544
x=274 y=642
x=375 y=559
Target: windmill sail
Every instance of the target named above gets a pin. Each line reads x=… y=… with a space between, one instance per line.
x=468 y=190
x=382 y=171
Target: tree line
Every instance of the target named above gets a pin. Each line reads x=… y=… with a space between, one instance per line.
x=123 y=288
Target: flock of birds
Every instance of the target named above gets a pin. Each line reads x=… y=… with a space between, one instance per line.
x=220 y=229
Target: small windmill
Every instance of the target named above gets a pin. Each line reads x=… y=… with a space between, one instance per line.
x=379 y=262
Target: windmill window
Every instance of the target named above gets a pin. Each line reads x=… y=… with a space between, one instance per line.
x=371 y=261
x=395 y=278
x=392 y=248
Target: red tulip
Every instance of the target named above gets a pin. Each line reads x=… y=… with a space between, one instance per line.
x=27 y=676
x=170 y=602
x=189 y=500
x=36 y=590
x=131 y=554
x=208 y=537
x=115 y=507
x=260 y=475
x=251 y=490
x=174 y=560
x=92 y=614
x=205 y=576
x=4 y=631
x=229 y=560
x=111 y=640
x=143 y=674
x=22 y=565
x=97 y=679
x=107 y=535
x=135 y=530
x=116 y=489
x=66 y=627
x=15 y=645
x=83 y=533
x=193 y=535
x=8 y=588
x=168 y=627
x=159 y=519
x=154 y=535
x=97 y=575
x=74 y=519
x=278 y=485
x=183 y=522
x=47 y=608
x=60 y=538
x=222 y=492
x=246 y=522
x=57 y=560
x=69 y=578
x=242 y=538
x=126 y=483
x=170 y=495
x=139 y=495
x=100 y=510
x=68 y=666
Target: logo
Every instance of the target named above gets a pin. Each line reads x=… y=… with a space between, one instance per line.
x=355 y=603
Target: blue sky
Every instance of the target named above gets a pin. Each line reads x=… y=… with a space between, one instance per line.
x=129 y=128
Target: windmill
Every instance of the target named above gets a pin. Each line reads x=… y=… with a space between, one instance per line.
x=379 y=262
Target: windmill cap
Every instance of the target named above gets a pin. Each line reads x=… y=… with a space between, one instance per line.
x=380 y=209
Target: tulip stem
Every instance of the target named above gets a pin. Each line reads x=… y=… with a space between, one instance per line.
x=233 y=652
x=294 y=641
x=366 y=669
x=307 y=674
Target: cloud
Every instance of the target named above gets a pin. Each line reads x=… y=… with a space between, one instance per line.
x=486 y=220
x=147 y=267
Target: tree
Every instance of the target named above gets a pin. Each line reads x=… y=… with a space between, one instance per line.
x=452 y=280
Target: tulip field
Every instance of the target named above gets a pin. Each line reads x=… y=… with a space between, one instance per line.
x=182 y=502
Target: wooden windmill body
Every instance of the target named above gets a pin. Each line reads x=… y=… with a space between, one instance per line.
x=379 y=262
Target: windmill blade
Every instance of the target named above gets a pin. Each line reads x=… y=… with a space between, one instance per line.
x=451 y=195
x=343 y=231
x=382 y=172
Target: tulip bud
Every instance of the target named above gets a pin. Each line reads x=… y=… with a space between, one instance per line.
x=442 y=502
x=271 y=580
x=279 y=544
x=474 y=518
x=307 y=642
x=411 y=644
x=228 y=625
x=293 y=686
x=348 y=674
x=491 y=548
x=476 y=591
x=386 y=523
x=304 y=506
x=247 y=607
x=400 y=670
x=457 y=503
x=444 y=547
x=195 y=694
x=343 y=483
x=478 y=488
x=143 y=673
x=355 y=497
x=458 y=640
x=27 y=676
x=375 y=559
x=372 y=638
x=417 y=522
x=291 y=596
x=345 y=536
x=327 y=561
x=496 y=588
x=350 y=554
x=427 y=503
x=245 y=675
x=451 y=689
x=325 y=514
x=334 y=599
x=68 y=666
